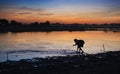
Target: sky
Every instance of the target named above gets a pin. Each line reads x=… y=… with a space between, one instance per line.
x=61 y=11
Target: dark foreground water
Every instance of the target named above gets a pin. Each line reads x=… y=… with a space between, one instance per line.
x=41 y=44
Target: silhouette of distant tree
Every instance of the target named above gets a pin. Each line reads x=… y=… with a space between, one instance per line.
x=35 y=23
x=47 y=24
x=4 y=25
x=15 y=23
x=4 y=22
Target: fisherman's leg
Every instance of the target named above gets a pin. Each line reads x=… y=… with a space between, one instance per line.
x=77 y=50
x=81 y=50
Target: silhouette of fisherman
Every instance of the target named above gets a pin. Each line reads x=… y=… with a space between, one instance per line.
x=79 y=44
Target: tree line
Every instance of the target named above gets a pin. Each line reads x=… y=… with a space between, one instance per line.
x=14 y=26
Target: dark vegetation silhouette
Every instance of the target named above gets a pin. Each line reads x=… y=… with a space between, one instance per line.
x=14 y=26
x=79 y=44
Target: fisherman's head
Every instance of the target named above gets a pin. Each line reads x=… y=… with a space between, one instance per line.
x=75 y=40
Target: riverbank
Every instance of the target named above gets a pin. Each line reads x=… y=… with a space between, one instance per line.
x=102 y=63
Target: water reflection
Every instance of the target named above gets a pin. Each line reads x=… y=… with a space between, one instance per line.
x=94 y=41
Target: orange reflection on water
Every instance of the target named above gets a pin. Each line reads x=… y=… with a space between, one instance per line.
x=61 y=40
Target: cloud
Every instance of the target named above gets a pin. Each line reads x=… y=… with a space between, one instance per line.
x=31 y=9
x=22 y=13
x=112 y=9
x=25 y=11
x=109 y=12
x=18 y=8
x=37 y=11
x=46 y=14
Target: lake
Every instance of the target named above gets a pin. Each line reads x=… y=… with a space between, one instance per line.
x=27 y=45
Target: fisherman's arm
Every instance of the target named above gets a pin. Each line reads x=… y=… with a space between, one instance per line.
x=74 y=44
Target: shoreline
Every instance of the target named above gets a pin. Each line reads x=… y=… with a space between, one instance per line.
x=100 y=29
x=101 y=63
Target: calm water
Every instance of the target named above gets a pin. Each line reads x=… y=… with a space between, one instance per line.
x=41 y=44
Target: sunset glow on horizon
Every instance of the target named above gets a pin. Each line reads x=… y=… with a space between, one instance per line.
x=61 y=11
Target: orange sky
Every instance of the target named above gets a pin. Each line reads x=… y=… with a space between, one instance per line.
x=61 y=11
